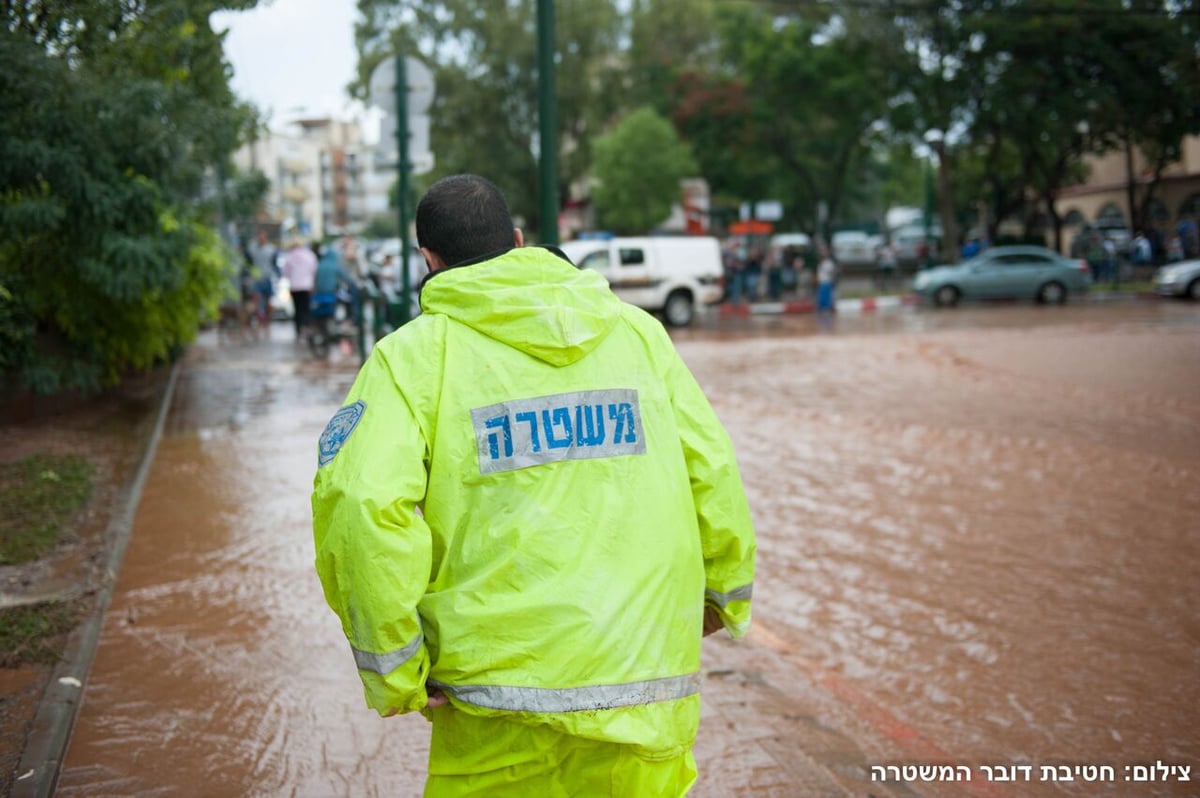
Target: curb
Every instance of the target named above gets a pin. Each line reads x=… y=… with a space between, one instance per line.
x=50 y=733
x=864 y=305
x=877 y=303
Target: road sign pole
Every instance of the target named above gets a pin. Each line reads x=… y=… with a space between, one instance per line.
x=402 y=169
x=548 y=124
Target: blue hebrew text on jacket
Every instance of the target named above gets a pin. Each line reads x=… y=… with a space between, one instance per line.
x=568 y=426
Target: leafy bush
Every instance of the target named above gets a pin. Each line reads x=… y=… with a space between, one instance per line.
x=108 y=145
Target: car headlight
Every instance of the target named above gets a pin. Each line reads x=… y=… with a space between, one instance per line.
x=921 y=280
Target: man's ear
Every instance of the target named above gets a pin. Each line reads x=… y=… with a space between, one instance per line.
x=432 y=259
x=518 y=237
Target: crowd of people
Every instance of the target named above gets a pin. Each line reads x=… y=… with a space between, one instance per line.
x=1152 y=246
x=296 y=278
x=756 y=272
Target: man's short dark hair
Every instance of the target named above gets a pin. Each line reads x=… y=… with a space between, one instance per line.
x=463 y=217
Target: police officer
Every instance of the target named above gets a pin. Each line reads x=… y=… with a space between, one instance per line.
x=526 y=515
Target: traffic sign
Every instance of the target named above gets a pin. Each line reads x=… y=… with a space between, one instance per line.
x=382 y=86
x=420 y=156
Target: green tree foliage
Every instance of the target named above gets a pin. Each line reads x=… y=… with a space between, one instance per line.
x=809 y=103
x=667 y=41
x=638 y=166
x=798 y=99
x=1025 y=89
x=116 y=115
x=484 y=59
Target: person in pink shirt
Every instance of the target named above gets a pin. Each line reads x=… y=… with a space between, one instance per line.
x=300 y=269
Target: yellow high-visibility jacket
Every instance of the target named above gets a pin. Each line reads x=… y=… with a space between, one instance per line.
x=527 y=501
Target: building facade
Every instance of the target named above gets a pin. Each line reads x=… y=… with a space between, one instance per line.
x=322 y=176
x=1104 y=200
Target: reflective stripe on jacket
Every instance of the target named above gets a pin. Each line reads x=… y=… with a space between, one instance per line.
x=527 y=501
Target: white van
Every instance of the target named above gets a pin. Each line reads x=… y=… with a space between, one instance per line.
x=667 y=275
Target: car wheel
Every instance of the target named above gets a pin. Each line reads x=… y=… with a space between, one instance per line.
x=1193 y=290
x=1052 y=293
x=680 y=309
x=946 y=296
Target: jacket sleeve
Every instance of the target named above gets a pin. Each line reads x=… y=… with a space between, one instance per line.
x=726 y=530
x=373 y=548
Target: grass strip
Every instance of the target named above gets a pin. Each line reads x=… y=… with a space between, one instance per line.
x=31 y=634
x=38 y=498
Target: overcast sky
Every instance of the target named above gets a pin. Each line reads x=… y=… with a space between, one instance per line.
x=293 y=57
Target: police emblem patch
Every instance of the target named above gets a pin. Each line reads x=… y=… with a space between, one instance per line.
x=338 y=430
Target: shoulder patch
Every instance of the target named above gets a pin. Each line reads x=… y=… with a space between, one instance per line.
x=338 y=430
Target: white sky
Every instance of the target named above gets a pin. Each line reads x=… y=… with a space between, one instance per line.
x=293 y=58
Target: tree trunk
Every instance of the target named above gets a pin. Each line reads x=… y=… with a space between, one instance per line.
x=945 y=193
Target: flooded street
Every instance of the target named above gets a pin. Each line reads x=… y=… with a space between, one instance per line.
x=979 y=540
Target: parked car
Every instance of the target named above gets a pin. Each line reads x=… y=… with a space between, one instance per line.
x=1009 y=272
x=908 y=242
x=800 y=241
x=1179 y=279
x=666 y=275
x=852 y=248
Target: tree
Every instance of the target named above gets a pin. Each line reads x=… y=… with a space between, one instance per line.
x=484 y=59
x=638 y=166
x=117 y=114
x=1025 y=89
x=809 y=93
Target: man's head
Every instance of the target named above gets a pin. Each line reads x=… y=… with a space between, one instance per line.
x=463 y=217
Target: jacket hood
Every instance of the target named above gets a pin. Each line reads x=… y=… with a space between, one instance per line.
x=530 y=298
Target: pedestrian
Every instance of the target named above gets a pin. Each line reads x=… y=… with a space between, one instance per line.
x=1094 y=254
x=1189 y=236
x=526 y=515
x=351 y=261
x=826 y=281
x=773 y=263
x=886 y=266
x=300 y=269
x=1174 y=249
x=334 y=285
x=735 y=281
x=752 y=272
x=262 y=256
x=1110 y=258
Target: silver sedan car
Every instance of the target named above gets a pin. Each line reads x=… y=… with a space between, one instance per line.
x=1006 y=272
x=1179 y=279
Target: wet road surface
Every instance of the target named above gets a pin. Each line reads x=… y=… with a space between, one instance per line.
x=978 y=536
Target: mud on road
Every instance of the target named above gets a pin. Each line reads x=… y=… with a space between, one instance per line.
x=977 y=538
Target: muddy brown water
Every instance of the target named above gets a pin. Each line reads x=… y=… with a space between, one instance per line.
x=979 y=534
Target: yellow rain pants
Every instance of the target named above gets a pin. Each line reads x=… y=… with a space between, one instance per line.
x=496 y=758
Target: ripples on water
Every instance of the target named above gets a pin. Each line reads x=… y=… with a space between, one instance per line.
x=989 y=533
x=992 y=533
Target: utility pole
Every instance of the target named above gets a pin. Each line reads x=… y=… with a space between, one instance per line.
x=402 y=169
x=547 y=125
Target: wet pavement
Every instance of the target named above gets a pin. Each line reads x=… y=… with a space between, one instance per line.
x=978 y=551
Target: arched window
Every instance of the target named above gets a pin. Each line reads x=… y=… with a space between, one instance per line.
x=1110 y=216
x=1191 y=205
x=1074 y=218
